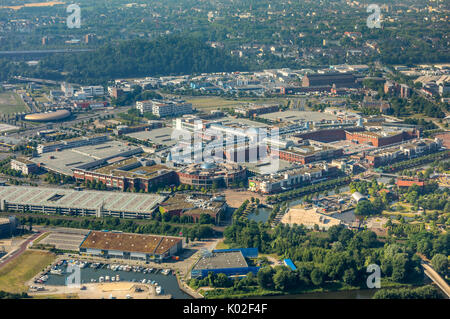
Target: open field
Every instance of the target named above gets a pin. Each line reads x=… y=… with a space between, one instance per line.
x=222 y=245
x=214 y=103
x=11 y=102
x=15 y=274
x=32 y=5
x=118 y=290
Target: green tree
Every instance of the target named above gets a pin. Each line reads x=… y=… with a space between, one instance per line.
x=317 y=277
x=440 y=264
x=265 y=278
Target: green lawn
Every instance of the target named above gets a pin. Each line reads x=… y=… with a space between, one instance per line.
x=17 y=272
x=11 y=102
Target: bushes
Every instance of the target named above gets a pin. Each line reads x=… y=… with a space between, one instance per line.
x=414 y=162
x=7 y=295
x=426 y=292
x=129 y=226
x=315 y=188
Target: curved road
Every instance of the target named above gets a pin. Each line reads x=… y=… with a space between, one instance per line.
x=437 y=279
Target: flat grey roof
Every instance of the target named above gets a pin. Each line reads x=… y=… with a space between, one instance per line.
x=160 y=136
x=231 y=259
x=262 y=169
x=65 y=160
x=58 y=197
x=228 y=120
x=299 y=115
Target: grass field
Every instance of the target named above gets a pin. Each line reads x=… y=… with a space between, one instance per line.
x=15 y=274
x=222 y=245
x=41 y=238
x=11 y=102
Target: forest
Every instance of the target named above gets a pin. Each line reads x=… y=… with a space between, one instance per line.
x=137 y=58
x=336 y=259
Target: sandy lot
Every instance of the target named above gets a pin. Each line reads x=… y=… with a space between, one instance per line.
x=111 y=290
x=236 y=198
x=309 y=218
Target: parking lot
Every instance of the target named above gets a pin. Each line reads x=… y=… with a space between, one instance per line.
x=64 y=241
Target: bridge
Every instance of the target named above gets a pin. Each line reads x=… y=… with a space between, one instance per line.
x=40 y=53
x=436 y=278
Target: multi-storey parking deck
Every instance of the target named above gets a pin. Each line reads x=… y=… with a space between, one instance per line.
x=84 y=203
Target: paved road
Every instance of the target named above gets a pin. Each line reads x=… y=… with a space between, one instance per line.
x=19 y=252
x=437 y=279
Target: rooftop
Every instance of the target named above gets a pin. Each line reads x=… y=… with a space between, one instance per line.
x=58 y=197
x=219 y=260
x=309 y=149
x=23 y=160
x=148 y=244
x=193 y=205
x=66 y=160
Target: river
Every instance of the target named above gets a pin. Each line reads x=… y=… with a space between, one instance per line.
x=347 y=294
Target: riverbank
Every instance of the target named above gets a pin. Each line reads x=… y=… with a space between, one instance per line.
x=330 y=291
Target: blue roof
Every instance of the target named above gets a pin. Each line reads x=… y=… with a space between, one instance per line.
x=290 y=264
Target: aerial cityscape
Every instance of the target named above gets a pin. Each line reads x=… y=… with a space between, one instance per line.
x=224 y=149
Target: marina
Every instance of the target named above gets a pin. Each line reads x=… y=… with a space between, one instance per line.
x=164 y=280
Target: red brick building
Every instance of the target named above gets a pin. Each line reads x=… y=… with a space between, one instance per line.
x=404 y=182
x=310 y=155
x=379 y=140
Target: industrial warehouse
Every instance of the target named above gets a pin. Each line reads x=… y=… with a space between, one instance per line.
x=80 y=203
x=130 y=246
x=231 y=262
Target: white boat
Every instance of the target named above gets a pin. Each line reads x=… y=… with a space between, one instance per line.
x=56 y=271
x=113 y=278
x=143 y=281
x=117 y=278
x=165 y=272
x=158 y=290
x=107 y=278
x=101 y=279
